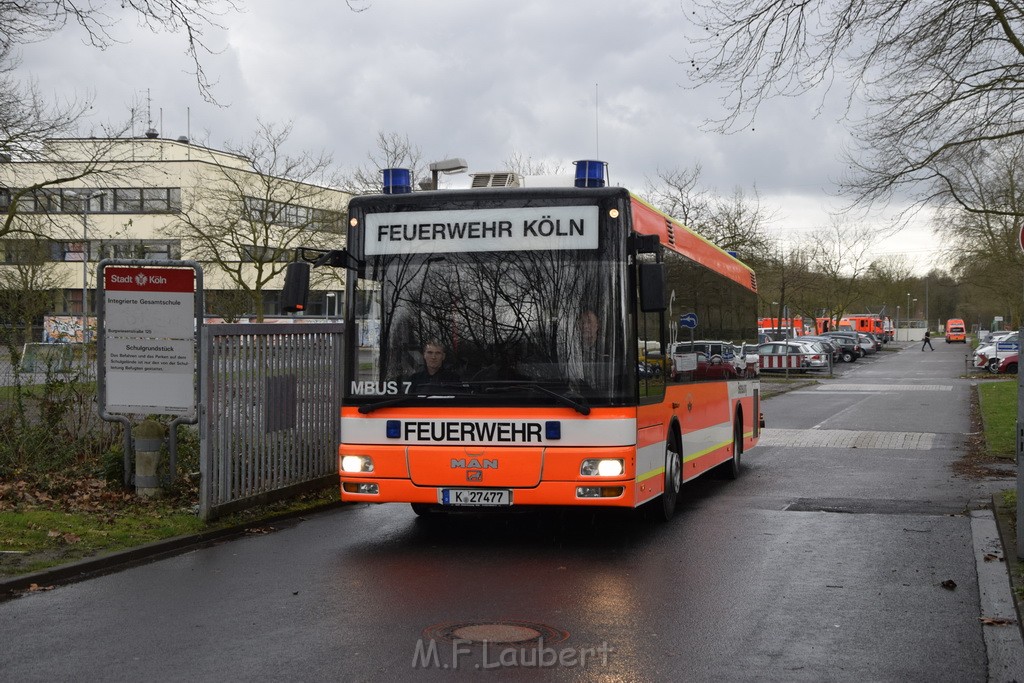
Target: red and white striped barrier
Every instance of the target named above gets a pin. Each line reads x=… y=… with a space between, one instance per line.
x=791 y=361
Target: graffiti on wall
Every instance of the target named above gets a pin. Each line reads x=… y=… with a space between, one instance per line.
x=65 y=329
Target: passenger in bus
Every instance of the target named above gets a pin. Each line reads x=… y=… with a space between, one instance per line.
x=433 y=371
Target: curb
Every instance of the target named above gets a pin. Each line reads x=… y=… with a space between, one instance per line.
x=1008 y=541
x=91 y=567
x=999 y=610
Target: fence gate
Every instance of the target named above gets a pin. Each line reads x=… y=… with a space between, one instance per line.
x=269 y=413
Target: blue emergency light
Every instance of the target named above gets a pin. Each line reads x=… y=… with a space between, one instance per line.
x=589 y=173
x=397 y=181
x=553 y=430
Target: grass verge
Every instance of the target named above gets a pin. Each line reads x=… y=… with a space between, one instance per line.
x=40 y=534
x=998 y=402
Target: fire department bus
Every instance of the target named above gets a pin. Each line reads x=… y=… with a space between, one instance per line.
x=548 y=315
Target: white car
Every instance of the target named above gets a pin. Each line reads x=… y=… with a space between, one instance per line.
x=983 y=355
x=811 y=355
x=752 y=359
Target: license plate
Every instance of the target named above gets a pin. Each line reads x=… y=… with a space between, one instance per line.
x=476 y=497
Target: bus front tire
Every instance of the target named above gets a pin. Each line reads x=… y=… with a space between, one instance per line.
x=673 y=482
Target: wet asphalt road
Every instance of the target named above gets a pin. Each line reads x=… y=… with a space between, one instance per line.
x=824 y=561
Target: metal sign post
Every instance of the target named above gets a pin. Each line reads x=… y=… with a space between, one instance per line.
x=1020 y=435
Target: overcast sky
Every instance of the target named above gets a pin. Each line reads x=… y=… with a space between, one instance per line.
x=553 y=81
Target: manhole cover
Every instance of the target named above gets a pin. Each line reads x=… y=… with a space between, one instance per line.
x=506 y=632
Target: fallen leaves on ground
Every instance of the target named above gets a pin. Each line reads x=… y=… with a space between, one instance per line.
x=68 y=493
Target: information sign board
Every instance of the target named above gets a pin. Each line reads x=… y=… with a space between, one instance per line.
x=149 y=330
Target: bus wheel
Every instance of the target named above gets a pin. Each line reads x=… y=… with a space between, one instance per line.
x=673 y=480
x=731 y=468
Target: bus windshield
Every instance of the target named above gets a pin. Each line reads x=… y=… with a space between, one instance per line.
x=491 y=327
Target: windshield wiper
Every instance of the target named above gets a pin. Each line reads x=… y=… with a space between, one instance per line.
x=561 y=398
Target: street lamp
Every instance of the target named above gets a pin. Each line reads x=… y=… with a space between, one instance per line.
x=447 y=166
x=86 y=198
x=896 y=331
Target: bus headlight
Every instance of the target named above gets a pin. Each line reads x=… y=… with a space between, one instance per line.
x=602 y=467
x=356 y=463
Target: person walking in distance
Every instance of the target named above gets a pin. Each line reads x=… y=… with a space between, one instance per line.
x=927 y=341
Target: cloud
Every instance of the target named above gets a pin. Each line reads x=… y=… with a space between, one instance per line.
x=550 y=80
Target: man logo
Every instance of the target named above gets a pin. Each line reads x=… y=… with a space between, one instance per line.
x=474 y=475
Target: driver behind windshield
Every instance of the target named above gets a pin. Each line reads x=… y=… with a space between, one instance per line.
x=433 y=371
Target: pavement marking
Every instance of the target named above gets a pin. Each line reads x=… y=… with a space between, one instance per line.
x=846 y=438
x=883 y=387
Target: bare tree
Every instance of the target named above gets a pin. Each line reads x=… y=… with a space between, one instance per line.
x=36 y=20
x=393 y=151
x=30 y=130
x=678 y=193
x=28 y=286
x=248 y=219
x=526 y=165
x=739 y=224
x=941 y=80
x=982 y=247
x=734 y=223
x=839 y=255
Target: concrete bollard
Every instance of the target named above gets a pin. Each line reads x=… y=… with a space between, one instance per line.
x=149 y=437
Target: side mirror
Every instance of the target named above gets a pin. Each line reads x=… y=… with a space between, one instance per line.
x=296 y=287
x=652 y=287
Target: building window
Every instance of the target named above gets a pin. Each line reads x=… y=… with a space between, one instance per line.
x=290 y=215
x=128 y=200
x=25 y=252
x=150 y=250
x=74 y=251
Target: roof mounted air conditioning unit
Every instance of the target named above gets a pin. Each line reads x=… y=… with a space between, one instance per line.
x=497 y=179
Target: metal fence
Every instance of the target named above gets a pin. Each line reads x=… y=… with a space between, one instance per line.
x=269 y=420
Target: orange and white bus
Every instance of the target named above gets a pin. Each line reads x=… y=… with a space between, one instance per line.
x=552 y=318
x=956 y=331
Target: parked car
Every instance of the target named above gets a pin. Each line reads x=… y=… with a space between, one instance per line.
x=866 y=343
x=993 y=337
x=811 y=355
x=874 y=338
x=1007 y=365
x=831 y=345
x=849 y=345
x=987 y=355
x=752 y=358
